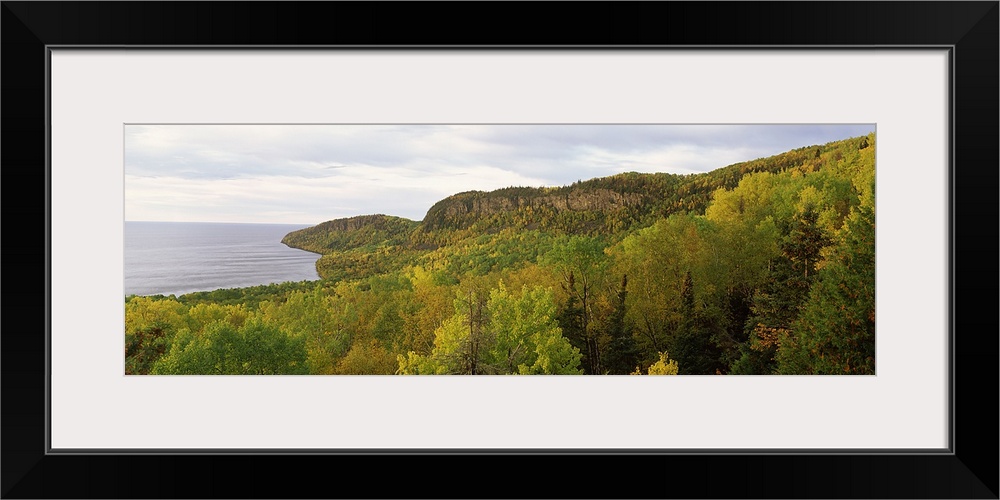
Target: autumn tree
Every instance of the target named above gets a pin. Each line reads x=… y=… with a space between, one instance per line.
x=368 y=358
x=663 y=366
x=835 y=332
x=311 y=316
x=150 y=326
x=221 y=349
x=656 y=260
x=143 y=347
x=515 y=333
x=581 y=262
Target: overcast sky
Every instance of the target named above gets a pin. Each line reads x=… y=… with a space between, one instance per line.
x=307 y=174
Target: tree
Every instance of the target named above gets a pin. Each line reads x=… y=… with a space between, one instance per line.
x=664 y=366
x=150 y=326
x=222 y=349
x=202 y=314
x=777 y=302
x=621 y=351
x=805 y=241
x=516 y=333
x=571 y=318
x=775 y=306
x=835 y=332
x=528 y=339
x=581 y=262
x=145 y=312
x=143 y=347
x=367 y=358
x=741 y=254
x=311 y=317
x=693 y=343
x=656 y=260
x=432 y=303
x=458 y=341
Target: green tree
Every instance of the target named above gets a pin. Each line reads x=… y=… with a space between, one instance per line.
x=621 y=352
x=312 y=316
x=835 y=332
x=805 y=241
x=775 y=306
x=204 y=313
x=222 y=349
x=459 y=342
x=516 y=333
x=656 y=260
x=143 y=347
x=528 y=338
x=581 y=262
x=694 y=343
x=146 y=312
x=368 y=358
x=150 y=326
x=777 y=302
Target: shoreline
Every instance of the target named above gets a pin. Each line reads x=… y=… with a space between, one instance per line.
x=181 y=294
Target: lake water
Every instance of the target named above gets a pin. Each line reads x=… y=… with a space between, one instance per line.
x=181 y=257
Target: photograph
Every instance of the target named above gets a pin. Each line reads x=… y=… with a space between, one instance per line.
x=208 y=197
x=477 y=249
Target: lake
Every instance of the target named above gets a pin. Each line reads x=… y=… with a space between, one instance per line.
x=181 y=257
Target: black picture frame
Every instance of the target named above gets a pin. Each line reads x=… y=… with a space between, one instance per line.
x=970 y=29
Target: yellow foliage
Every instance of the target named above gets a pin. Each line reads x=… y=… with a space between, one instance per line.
x=665 y=366
x=368 y=358
x=145 y=312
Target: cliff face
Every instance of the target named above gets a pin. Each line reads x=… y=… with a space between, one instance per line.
x=378 y=222
x=480 y=204
x=534 y=205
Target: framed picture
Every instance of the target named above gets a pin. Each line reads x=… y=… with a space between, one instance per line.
x=922 y=76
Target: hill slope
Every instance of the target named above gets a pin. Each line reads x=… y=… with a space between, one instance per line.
x=609 y=206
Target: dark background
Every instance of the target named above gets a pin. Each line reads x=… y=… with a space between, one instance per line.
x=971 y=472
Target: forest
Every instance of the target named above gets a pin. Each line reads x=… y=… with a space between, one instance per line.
x=764 y=267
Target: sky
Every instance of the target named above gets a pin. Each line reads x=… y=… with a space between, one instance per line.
x=307 y=174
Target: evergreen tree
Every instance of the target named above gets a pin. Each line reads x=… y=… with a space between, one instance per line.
x=804 y=242
x=571 y=320
x=776 y=305
x=693 y=345
x=835 y=332
x=622 y=352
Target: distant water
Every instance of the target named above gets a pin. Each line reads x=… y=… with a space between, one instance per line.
x=181 y=257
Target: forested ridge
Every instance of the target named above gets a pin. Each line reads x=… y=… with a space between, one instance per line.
x=761 y=267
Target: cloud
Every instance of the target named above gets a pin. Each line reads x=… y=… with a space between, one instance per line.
x=312 y=173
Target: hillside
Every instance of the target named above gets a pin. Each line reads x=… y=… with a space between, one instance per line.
x=606 y=206
x=367 y=232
